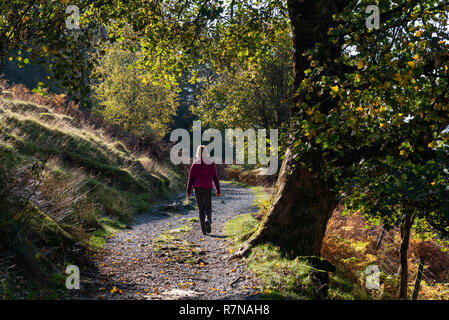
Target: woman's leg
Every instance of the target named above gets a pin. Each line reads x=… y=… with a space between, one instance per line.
x=199 y=195
x=208 y=204
x=208 y=209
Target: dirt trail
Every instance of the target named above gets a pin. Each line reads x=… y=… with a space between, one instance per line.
x=165 y=256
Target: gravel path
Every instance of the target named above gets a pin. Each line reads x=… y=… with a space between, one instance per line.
x=165 y=256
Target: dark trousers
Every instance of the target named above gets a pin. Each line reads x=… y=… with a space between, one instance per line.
x=203 y=199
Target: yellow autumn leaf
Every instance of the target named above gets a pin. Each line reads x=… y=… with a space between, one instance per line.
x=309 y=111
x=416 y=57
x=411 y=64
x=334 y=88
x=398 y=77
x=418 y=33
x=359 y=109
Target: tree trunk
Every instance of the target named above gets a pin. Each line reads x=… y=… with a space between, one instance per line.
x=379 y=241
x=302 y=203
x=415 y=294
x=297 y=219
x=403 y=269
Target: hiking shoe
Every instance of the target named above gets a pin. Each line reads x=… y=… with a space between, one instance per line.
x=208 y=227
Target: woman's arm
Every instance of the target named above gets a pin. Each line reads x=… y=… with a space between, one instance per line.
x=215 y=178
x=190 y=180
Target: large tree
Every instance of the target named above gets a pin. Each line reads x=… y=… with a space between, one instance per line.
x=302 y=201
x=361 y=98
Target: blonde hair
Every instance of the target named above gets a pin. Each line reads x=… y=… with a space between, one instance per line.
x=202 y=152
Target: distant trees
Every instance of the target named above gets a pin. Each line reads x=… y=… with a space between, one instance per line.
x=129 y=98
x=253 y=94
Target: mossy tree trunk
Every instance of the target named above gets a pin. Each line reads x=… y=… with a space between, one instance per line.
x=302 y=203
x=297 y=219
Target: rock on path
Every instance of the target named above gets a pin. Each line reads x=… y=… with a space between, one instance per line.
x=165 y=256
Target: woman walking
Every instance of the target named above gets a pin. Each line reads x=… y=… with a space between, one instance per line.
x=202 y=172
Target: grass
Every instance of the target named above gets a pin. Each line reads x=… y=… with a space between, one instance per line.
x=240 y=228
x=168 y=238
x=280 y=276
x=260 y=196
x=64 y=183
x=107 y=228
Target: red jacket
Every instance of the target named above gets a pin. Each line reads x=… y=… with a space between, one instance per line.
x=201 y=176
